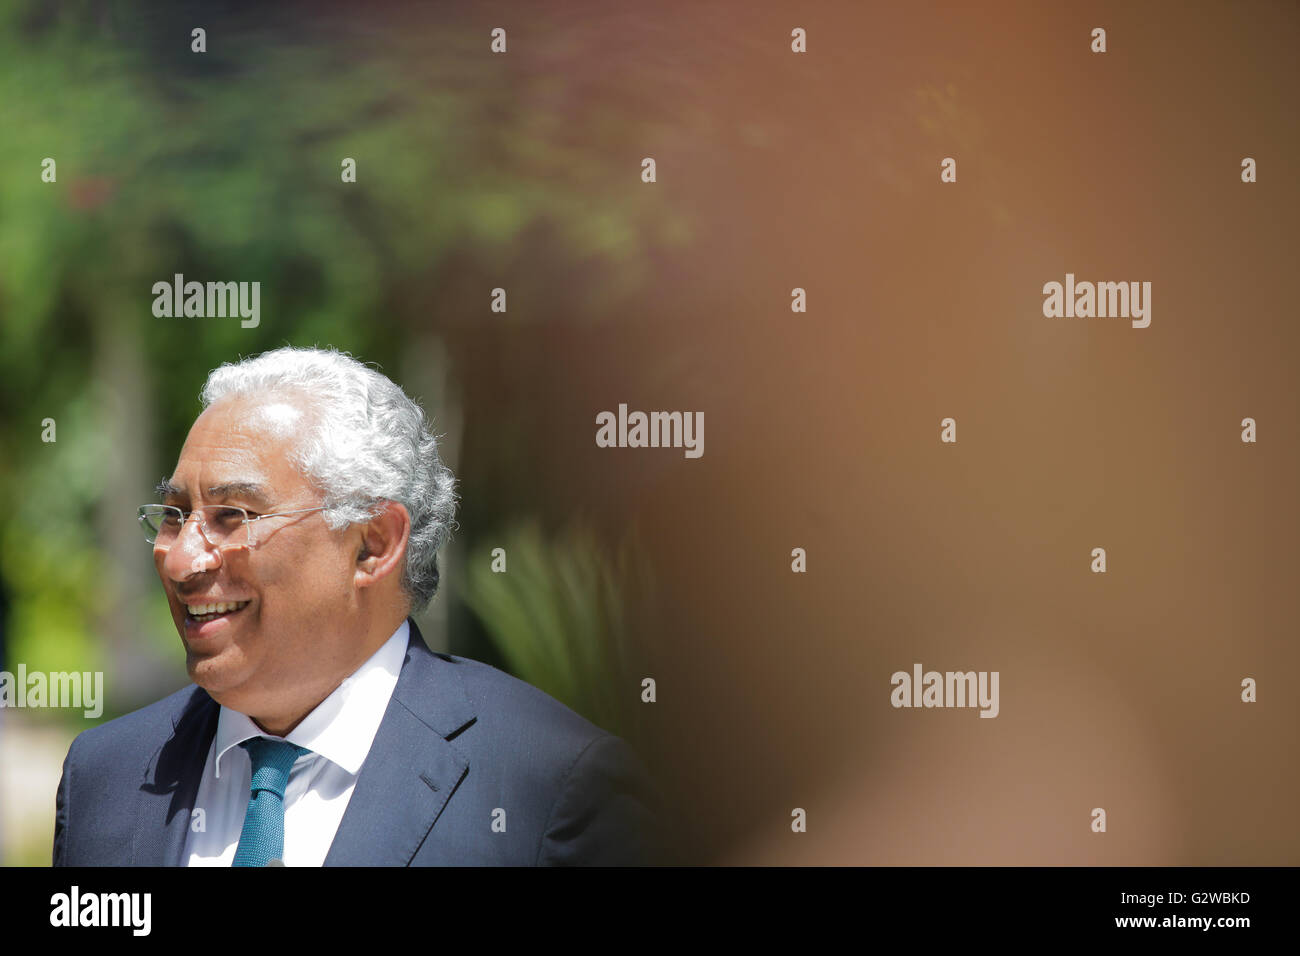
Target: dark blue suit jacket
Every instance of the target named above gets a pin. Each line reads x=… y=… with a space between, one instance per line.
x=459 y=739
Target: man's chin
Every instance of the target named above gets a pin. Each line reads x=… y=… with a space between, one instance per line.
x=213 y=674
x=214 y=658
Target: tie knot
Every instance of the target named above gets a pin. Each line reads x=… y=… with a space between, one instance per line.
x=272 y=760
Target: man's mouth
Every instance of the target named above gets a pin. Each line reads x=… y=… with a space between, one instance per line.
x=202 y=613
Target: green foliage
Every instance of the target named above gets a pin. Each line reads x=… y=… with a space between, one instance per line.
x=564 y=616
x=226 y=166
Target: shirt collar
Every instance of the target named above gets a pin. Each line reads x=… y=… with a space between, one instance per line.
x=343 y=725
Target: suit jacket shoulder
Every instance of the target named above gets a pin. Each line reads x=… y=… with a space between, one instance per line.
x=542 y=784
x=110 y=768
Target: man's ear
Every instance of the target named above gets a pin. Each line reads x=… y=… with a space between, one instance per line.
x=382 y=545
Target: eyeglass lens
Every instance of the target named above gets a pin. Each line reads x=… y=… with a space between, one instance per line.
x=221 y=525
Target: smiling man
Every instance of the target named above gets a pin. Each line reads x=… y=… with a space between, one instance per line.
x=296 y=534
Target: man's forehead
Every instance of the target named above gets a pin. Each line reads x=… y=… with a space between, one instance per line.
x=239 y=448
x=244 y=428
x=280 y=415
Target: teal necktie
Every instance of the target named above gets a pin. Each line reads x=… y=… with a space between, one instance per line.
x=262 y=839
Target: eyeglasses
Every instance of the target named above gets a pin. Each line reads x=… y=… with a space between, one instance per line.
x=224 y=526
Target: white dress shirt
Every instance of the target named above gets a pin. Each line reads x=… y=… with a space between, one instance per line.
x=338 y=733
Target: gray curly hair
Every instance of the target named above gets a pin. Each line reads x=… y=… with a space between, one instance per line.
x=365 y=442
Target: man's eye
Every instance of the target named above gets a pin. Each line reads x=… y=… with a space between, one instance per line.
x=170 y=519
x=228 y=517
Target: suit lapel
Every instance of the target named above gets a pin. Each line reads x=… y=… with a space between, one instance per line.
x=166 y=797
x=412 y=769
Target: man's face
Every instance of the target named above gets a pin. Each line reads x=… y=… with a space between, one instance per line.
x=292 y=590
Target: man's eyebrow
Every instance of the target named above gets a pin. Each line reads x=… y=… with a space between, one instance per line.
x=230 y=489
x=239 y=489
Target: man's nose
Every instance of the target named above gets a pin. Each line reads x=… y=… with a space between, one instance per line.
x=190 y=553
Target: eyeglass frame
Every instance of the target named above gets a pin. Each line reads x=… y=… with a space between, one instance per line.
x=203 y=522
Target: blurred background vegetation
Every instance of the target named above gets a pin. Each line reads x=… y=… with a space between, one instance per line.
x=473 y=172
x=562 y=615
